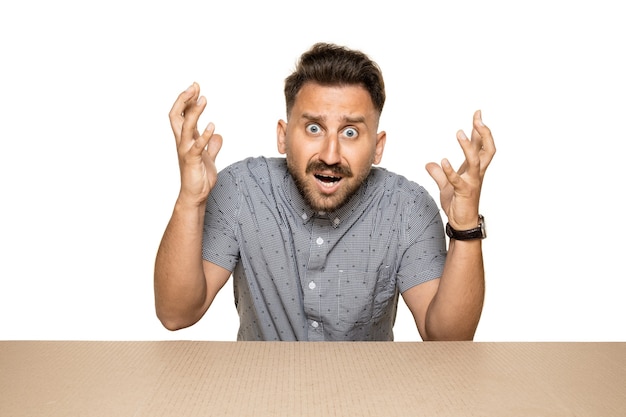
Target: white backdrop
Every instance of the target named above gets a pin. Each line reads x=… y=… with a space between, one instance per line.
x=88 y=169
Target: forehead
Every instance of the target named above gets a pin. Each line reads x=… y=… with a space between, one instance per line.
x=334 y=100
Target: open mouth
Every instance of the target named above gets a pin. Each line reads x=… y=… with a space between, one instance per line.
x=327 y=179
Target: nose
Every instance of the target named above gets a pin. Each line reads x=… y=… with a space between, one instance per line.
x=329 y=152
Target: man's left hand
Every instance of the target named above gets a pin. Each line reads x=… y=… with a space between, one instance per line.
x=460 y=190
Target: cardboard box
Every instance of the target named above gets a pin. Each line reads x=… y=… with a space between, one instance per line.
x=186 y=378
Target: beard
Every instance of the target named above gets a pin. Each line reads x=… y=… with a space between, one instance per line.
x=327 y=202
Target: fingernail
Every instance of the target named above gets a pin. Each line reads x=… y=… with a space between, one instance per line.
x=189 y=88
x=462 y=135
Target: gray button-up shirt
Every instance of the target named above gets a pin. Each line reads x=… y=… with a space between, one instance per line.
x=302 y=275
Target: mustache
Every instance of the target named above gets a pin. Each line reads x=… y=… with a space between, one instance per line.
x=337 y=169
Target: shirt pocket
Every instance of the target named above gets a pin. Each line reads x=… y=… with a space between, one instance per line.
x=365 y=296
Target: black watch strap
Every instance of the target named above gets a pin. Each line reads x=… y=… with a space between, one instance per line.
x=479 y=232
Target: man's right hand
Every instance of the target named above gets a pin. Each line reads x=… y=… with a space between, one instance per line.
x=196 y=152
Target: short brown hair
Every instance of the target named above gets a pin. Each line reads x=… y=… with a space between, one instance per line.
x=330 y=64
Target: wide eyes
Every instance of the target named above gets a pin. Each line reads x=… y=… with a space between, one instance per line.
x=313 y=128
x=348 y=132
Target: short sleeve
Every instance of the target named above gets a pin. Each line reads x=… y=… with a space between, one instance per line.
x=219 y=241
x=425 y=254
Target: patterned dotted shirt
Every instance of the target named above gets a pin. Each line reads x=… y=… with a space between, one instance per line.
x=302 y=275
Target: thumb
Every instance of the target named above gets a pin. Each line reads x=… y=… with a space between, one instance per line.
x=209 y=141
x=436 y=172
x=214 y=146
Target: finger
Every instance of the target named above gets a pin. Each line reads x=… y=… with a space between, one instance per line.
x=189 y=130
x=438 y=174
x=214 y=146
x=209 y=141
x=471 y=165
x=477 y=128
x=435 y=171
x=488 y=146
x=451 y=175
x=176 y=114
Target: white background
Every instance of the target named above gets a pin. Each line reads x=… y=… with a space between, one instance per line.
x=88 y=169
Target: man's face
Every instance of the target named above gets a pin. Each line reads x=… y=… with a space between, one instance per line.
x=330 y=142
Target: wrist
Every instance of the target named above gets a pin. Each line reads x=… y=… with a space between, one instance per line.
x=464 y=222
x=477 y=231
x=189 y=202
x=190 y=207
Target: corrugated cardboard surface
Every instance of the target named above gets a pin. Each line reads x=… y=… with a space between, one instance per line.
x=74 y=378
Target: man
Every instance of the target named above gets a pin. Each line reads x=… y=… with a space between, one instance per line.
x=321 y=243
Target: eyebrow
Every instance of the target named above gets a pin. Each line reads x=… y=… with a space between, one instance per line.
x=346 y=119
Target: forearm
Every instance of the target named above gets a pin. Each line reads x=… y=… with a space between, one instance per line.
x=179 y=284
x=455 y=310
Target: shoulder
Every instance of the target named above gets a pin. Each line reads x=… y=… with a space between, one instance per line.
x=394 y=193
x=410 y=202
x=255 y=168
x=253 y=177
x=395 y=186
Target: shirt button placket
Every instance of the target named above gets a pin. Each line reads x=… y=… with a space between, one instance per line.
x=315 y=268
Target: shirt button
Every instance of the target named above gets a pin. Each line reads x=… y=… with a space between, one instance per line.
x=315 y=324
x=319 y=241
x=304 y=216
x=336 y=221
x=312 y=285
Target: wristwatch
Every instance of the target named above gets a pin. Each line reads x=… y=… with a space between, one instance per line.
x=479 y=232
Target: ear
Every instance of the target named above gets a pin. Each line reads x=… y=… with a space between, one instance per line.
x=381 y=138
x=281 y=137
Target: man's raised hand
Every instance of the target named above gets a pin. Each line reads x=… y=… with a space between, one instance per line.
x=460 y=190
x=196 y=152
